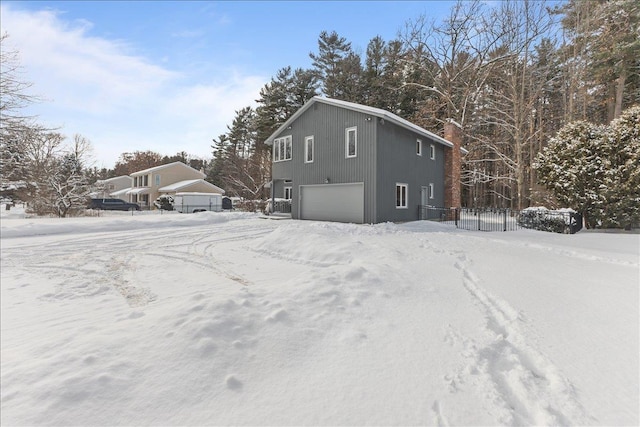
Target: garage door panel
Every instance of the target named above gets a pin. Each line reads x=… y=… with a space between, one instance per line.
x=332 y=202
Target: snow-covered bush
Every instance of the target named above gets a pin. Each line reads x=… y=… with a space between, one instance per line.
x=596 y=170
x=164 y=202
x=540 y=218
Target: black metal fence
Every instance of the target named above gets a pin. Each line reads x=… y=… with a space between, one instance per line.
x=495 y=219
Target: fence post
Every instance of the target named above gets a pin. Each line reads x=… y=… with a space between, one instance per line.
x=505 y=220
x=478 y=213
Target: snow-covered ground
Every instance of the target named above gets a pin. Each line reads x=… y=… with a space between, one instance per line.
x=230 y=319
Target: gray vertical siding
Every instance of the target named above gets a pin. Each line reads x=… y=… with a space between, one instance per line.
x=399 y=163
x=386 y=155
x=327 y=124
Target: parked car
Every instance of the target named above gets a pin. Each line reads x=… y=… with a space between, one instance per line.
x=113 y=205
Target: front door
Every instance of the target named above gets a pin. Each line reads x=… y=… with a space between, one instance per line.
x=424 y=196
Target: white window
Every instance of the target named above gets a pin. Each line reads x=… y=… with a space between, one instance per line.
x=157 y=180
x=401 y=196
x=419 y=147
x=432 y=152
x=308 y=149
x=287 y=193
x=351 y=142
x=282 y=148
x=431 y=191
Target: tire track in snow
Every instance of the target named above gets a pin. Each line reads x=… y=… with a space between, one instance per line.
x=207 y=264
x=510 y=372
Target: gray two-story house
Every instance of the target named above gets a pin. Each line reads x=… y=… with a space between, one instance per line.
x=346 y=162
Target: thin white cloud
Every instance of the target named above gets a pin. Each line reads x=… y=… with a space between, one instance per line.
x=187 y=34
x=120 y=101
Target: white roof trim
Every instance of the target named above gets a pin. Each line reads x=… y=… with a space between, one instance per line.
x=120 y=192
x=378 y=112
x=157 y=168
x=115 y=178
x=140 y=190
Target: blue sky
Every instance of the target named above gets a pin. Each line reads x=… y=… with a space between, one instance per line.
x=168 y=76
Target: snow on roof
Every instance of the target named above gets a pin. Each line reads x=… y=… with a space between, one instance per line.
x=119 y=193
x=140 y=190
x=115 y=178
x=378 y=112
x=168 y=165
x=188 y=183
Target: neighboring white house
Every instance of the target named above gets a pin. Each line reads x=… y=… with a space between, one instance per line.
x=150 y=183
x=115 y=188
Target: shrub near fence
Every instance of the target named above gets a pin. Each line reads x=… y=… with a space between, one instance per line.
x=563 y=221
x=495 y=219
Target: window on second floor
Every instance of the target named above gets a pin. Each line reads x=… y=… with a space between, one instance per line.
x=157 y=180
x=308 y=149
x=419 y=147
x=431 y=191
x=282 y=149
x=351 y=142
x=432 y=152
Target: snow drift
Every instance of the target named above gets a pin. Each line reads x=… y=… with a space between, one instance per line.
x=222 y=318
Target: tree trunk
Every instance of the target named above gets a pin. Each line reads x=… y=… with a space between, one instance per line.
x=622 y=79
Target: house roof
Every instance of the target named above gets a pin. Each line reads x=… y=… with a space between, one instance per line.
x=119 y=193
x=139 y=190
x=181 y=185
x=378 y=112
x=115 y=178
x=168 y=165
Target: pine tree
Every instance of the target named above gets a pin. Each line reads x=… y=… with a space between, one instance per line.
x=602 y=57
x=595 y=169
x=622 y=171
x=338 y=68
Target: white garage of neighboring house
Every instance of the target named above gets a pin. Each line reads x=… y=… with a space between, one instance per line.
x=191 y=185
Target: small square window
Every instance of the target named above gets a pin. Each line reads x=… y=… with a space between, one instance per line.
x=401 y=196
x=351 y=142
x=419 y=147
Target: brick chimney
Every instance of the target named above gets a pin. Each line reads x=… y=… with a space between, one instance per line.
x=452 y=164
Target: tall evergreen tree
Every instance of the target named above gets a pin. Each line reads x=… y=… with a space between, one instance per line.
x=338 y=68
x=601 y=57
x=595 y=169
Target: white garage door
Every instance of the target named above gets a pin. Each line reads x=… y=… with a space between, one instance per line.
x=332 y=202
